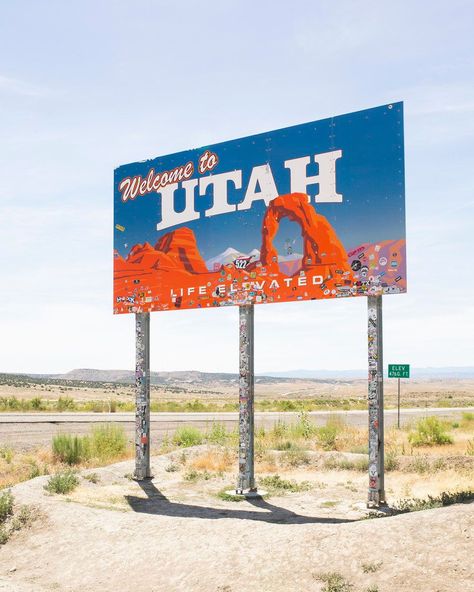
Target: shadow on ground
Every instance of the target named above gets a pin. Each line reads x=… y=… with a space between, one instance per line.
x=159 y=504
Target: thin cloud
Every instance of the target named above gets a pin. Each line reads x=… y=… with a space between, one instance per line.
x=19 y=87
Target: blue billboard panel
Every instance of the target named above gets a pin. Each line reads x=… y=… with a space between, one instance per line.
x=307 y=212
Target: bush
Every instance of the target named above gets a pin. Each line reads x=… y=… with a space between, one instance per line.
x=295 y=457
x=430 y=431
x=6 y=453
x=275 y=484
x=217 y=434
x=63 y=482
x=447 y=498
x=327 y=436
x=470 y=448
x=108 y=441
x=279 y=430
x=71 y=450
x=419 y=464
x=334 y=582
x=65 y=404
x=345 y=464
x=187 y=436
x=6 y=505
x=36 y=404
x=303 y=428
x=392 y=462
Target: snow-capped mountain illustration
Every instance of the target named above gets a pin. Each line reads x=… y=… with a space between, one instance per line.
x=230 y=254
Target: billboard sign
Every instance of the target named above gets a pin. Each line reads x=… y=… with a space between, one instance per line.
x=307 y=212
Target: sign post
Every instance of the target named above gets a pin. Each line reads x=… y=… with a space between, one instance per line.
x=398 y=371
x=246 y=479
x=142 y=393
x=376 y=495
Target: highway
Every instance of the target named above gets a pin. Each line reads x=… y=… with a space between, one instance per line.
x=28 y=430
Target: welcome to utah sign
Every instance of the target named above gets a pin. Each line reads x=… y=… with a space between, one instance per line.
x=302 y=213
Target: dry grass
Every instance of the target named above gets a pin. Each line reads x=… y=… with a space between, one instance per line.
x=214 y=461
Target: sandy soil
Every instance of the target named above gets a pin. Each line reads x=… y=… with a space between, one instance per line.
x=173 y=535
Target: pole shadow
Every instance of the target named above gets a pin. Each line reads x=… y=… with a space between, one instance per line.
x=158 y=504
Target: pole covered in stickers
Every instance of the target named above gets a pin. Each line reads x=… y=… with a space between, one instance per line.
x=142 y=391
x=376 y=494
x=246 y=479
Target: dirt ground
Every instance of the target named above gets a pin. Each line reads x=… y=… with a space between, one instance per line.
x=173 y=534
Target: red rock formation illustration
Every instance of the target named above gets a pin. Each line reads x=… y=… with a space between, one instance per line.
x=320 y=243
x=180 y=246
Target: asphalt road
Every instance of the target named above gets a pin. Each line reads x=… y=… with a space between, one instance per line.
x=27 y=430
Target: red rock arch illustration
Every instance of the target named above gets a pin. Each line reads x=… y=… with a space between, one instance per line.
x=321 y=246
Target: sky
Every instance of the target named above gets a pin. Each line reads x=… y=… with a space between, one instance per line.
x=368 y=176
x=87 y=86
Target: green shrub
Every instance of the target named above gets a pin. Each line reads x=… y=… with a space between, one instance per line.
x=296 y=457
x=334 y=582
x=92 y=478
x=345 y=464
x=303 y=428
x=284 y=445
x=6 y=453
x=371 y=567
x=193 y=475
x=429 y=431
x=279 y=429
x=172 y=468
x=65 y=404
x=419 y=464
x=36 y=404
x=217 y=434
x=229 y=497
x=63 y=482
x=392 y=462
x=327 y=435
x=70 y=449
x=187 y=436
x=108 y=441
x=275 y=484
x=6 y=505
x=446 y=498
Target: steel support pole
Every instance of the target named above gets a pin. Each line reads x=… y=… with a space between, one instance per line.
x=246 y=480
x=142 y=394
x=398 y=415
x=376 y=495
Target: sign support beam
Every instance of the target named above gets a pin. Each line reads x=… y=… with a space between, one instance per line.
x=398 y=405
x=142 y=394
x=246 y=479
x=376 y=492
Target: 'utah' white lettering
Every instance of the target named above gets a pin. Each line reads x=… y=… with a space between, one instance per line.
x=326 y=177
x=261 y=186
x=261 y=176
x=219 y=183
x=169 y=216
